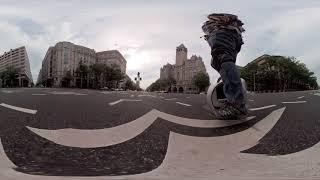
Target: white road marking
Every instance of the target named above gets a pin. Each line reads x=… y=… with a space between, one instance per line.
x=188 y=97
x=251 y=100
x=171 y=99
x=147 y=96
x=122 y=100
x=29 y=111
x=294 y=102
x=7 y=91
x=162 y=97
x=38 y=94
x=67 y=93
x=124 y=132
x=317 y=94
x=220 y=158
x=132 y=95
x=300 y=97
x=183 y=104
x=260 y=108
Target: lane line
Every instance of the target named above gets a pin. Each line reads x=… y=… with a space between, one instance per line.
x=300 y=97
x=294 y=102
x=171 y=99
x=29 y=111
x=260 y=108
x=122 y=100
x=132 y=95
x=38 y=94
x=251 y=100
x=188 y=97
x=147 y=96
x=183 y=104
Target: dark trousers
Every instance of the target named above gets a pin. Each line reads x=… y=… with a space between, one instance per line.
x=225 y=46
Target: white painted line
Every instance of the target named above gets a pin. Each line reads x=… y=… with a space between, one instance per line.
x=132 y=95
x=147 y=96
x=7 y=91
x=188 y=97
x=67 y=93
x=29 y=111
x=294 y=102
x=251 y=100
x=122 y=100
x=38 y=94
x=260 y=108
x=183 y=104
x=300 y=97
x=124 y=132
x=171 y=99
x=162 y=97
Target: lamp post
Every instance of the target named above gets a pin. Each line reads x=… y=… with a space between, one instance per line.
x=138 y=79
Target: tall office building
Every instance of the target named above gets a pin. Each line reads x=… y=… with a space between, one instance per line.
x=17 y=58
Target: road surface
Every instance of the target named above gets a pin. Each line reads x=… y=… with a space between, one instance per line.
x=58 y=133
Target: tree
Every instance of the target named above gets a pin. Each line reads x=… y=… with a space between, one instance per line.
x=82 y=72
x=278 y=73
x=201 y=80
x=10 y=76
x=97 y=71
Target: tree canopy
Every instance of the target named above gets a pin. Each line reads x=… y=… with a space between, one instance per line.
x=278 y=73
x=201 y=80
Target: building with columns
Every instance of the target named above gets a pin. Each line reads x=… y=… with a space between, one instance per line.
x=183 y=71
x=17 y=58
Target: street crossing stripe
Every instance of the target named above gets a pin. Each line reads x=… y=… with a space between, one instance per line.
x=121 y=100
x=171 y=99
x=29 y=111
x=294 y=102
x=183 y=104
x=260 y=108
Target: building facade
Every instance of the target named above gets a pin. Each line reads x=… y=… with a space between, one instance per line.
x=65 y=57
x=18 y=58
x=183 y=71
x=112 y=57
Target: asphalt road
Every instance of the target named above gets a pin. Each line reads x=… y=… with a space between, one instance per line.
x=52 y=133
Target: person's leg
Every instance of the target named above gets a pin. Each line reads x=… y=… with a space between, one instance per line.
x=232 y=85
x=225 y=46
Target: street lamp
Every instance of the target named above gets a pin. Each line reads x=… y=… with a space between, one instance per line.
x=138 y=79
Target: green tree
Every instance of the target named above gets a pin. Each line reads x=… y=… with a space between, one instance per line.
x=10 y=76
x=82 y=72
x=201 y=80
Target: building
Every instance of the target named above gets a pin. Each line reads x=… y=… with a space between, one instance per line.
x=112 y=57
x=17 y=58
x=65 y=57
x=183 y=71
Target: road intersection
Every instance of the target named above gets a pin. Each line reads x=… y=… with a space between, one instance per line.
x=137 y=135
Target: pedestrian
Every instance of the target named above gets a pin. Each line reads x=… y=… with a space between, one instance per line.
x=223 y=32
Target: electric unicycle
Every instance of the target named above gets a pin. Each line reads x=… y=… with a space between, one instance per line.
x=216 y=97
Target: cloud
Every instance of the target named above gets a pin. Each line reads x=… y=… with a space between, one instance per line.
x=147 y=32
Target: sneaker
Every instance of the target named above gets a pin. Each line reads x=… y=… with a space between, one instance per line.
x=230 y=112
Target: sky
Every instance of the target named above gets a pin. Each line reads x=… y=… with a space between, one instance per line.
x=147 y=32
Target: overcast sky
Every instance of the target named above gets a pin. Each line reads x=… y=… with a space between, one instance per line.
x=147 y=32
